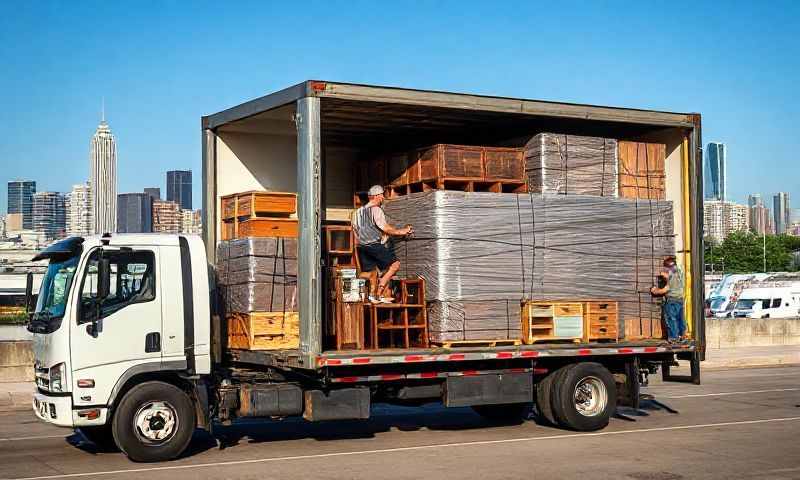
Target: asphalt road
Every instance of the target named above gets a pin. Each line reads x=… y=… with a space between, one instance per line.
x=739 y=424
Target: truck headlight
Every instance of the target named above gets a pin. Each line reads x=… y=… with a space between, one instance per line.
x=57 y=377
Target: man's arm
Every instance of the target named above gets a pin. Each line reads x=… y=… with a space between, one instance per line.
x=380 y=220
x=661 y=291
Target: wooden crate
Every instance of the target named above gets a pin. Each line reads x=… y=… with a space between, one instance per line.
x=264 y=331
x=463 y=162
x=540 y=321
x=643 y=328
x=641 y=170
x=259 y=227
x=601 y=320
x=254 y=204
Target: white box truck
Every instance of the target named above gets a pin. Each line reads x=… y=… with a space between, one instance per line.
x=126 y=341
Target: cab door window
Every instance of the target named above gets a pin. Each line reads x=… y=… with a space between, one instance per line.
x=132 y=281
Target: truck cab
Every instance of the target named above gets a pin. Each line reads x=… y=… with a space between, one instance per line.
x=113 y=312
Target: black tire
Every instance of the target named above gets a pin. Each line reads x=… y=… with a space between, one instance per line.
x=101 y=436
x=601 y=405
x=151 y=400
x=544 y=396
x=504 y=413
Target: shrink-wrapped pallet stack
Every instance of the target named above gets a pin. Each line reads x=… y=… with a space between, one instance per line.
x=573 y=237
x=483 y=253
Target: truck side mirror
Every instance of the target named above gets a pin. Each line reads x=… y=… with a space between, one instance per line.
x=103 y=279
x=28 y=292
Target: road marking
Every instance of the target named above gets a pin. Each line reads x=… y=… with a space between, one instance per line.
x=18 y=439
x=407 y=449
x=721 y=394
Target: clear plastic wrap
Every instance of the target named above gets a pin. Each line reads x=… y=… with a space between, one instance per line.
x=572 y=165
x=481 y=254
x=257 y=274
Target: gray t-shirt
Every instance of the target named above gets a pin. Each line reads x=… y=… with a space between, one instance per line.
x=676 y=284
x=368 y=224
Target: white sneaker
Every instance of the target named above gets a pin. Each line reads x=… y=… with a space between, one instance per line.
x=387 y=300
x=374 y=300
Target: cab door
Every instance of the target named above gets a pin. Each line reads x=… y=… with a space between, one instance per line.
x=121 y=333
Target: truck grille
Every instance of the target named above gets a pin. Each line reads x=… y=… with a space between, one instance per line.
x=42 y=378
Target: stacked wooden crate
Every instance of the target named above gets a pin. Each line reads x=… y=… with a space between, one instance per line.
x=641 y=170
x=259 y=214
x=446 y=167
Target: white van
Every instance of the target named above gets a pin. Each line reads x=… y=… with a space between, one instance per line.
x=723 y=298
x=768 y=302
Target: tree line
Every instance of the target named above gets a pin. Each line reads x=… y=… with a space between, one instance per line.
x=743 y=252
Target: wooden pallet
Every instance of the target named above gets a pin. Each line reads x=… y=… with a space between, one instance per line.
x=264 y=330
x=478 y=343
x=458 y=184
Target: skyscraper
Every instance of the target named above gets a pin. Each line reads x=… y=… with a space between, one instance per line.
x=20 y=200
x=103 y=179
x=134 y=213
x=780 y=212
x=79 y=211
x=715 y=172
x=49 y=215
x=191 y=222
x=179 y=188
x=154 y=192
x=759 y=214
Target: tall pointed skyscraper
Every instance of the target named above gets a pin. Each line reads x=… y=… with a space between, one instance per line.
x=103 y=178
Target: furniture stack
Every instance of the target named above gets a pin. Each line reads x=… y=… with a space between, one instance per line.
x=259 y=214
x=257 y=270
x=402 y=324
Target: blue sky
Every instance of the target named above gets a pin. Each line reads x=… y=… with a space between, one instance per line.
x=161 y=65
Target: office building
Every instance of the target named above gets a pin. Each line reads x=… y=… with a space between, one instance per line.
x=14 y=222
x=20 y=200
x=49 y=215
x=715 y=172
x=103 y=179
x=134 y=213
x=758 y=221
x=2 y=227
x=79 y=211
x=179 y=188
x=722 y=218
x=191 y=222
x=780 y=212
x=154 y=192
x=166 y=217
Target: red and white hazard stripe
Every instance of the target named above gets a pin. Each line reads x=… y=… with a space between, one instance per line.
x=426 y=375
x=333 y=360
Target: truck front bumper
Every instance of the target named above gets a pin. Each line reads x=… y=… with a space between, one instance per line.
x=58 y=411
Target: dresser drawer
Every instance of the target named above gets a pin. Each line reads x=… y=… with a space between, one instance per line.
x=603 y=331
x=601 y=307
x=602 y=318
x=567 y=309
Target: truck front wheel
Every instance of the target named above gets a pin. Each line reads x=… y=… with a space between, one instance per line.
x=584 y=397
x=154 y=422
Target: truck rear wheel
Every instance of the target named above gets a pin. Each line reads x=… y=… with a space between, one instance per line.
x=154 y=422
x=584 y=397
x=544 y=395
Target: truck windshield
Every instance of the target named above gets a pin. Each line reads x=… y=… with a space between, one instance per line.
x=717 y=303
x=53 y=295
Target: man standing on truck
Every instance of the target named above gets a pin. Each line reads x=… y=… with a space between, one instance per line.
x=372 y=233
x=672 y=291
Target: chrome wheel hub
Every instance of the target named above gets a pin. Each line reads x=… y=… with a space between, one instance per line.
x=155 y=422
x=590 y=397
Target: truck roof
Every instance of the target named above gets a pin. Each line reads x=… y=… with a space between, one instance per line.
x=351 y=99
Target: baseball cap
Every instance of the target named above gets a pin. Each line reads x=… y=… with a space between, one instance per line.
x=375 y=190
